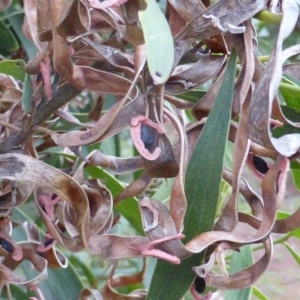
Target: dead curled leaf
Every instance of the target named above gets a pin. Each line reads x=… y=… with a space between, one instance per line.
x=260 y=111
x=109 y=291
x=159 y=225
x=270 y=197
x=221 y=17
x=98 y=47
x=188 y=77
x=22 y=167
x=114 y=164
x=243 y=278
x=39 y=263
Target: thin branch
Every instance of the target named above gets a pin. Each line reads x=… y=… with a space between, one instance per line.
x=43 y=111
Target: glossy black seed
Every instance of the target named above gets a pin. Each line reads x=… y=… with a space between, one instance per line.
x=48 y=242
x=6 y=245
x=199 y=284
x=260 y=164
x=148 y=137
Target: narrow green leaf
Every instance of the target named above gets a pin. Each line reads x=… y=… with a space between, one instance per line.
x=203 y=178
x=15 y=68
x=240 y=260
x=3 y=16
x=27 y=104
x=128 y=208
x=285 y=129
x=268 y=17
x=193 y=96
x=289 y=79
x=283 y=215
x=295 y=233
x=8 y=41
x=159 y=42
x=164 y=191
x=17 y=292
x=16 y=19
x=291 y=94
x=259 y=294
x=295 y=167
x=85 y=268
x=290 y=113
x=62 y=284
x=162 y=5
x=293 y=252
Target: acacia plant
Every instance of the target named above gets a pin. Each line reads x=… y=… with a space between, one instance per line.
x=126 y=128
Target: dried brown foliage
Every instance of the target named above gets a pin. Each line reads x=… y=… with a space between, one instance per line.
x=88 y=49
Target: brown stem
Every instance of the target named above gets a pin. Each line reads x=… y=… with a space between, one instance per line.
x=61 y=97
x=43 y=111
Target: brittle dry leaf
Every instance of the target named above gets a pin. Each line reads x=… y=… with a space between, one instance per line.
x=263 y=96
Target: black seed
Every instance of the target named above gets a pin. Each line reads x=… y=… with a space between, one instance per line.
x=39 y=77
x=48 y=242
x=6 y=245
x=260 y=164
x=148 y=137
x=199 y=284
